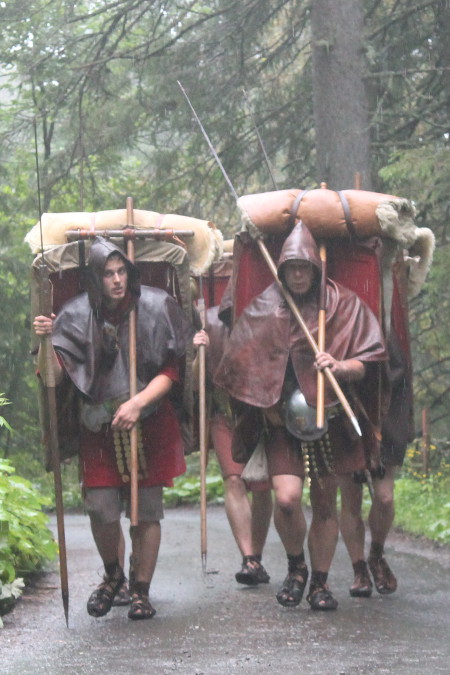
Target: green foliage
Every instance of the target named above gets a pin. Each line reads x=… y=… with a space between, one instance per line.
x=26 y=542
x=70 y=477
x=422 y=493
x=186 y=489
x=3 y=422
x=421 y=463
x=423 y=507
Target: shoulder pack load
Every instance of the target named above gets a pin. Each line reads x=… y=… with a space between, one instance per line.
x=205 y=246
x=373 y=247
x=166 y=262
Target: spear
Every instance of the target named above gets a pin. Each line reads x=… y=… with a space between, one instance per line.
x=288 y=297
x=49 y=380
x=320 y=413
x=133 y=384
x=202 y=430
x=260 y=140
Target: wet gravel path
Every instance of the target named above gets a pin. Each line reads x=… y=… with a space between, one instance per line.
x=209 y=624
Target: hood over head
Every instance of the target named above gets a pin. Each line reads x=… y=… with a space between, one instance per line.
x=101 y=250
x=300 y=245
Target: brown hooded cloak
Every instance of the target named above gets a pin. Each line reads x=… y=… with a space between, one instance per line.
x=267 y=336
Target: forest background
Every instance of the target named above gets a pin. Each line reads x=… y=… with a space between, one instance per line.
x=333 y=87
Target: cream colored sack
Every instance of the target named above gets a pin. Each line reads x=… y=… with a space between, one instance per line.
x=256 y=469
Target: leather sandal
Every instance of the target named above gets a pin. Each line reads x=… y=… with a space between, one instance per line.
x=384 y=578
x=101 y=600
x=123 y=595
x=362 y=584
x=252 y=572
x=321 y=598
x=291 y=592
x=140 y=607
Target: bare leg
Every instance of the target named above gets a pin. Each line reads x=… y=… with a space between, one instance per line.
x=123 y=596
x=238 y=508
x=261 y=516
x=289 y=519
x=351 y=521
x=382 y=513
x=146 y=539
x=381 y=517
x=249 y=524
x=322 y=540
x=291 y=526
x=324 y=530
x=353 y=533
x=107 y=539
x=239 y=513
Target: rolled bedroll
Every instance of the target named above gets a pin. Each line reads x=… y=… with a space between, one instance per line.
x=329 y=214
x=203 y=247
x=352 y=215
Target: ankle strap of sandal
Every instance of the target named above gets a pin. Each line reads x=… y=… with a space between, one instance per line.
x=296 y=562
x=141 y=588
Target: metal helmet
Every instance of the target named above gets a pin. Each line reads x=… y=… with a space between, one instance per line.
x=300 y=418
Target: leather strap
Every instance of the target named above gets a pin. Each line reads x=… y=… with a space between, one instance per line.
x=347 y=216
x=294 y=209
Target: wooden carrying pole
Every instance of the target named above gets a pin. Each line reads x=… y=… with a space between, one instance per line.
x=136 y=233
x=320 y=410
x=202 y=431
x=320 y=419
x=133 y=385
x=48 y=377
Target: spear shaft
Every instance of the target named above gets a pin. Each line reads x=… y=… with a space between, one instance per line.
x=202 y=431
x=134 y=519
x=48 y=377
x=49 y=381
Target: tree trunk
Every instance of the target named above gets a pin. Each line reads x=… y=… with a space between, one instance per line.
x=340 y=104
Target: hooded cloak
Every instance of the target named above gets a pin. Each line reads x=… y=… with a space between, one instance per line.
x=266 y=337
x=84 y=331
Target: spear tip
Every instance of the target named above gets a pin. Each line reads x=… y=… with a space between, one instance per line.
x=356 y=425
x=65 y=600
x=203 y=562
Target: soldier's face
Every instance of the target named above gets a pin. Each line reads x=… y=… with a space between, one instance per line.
x=298 y=276
x=115 y=281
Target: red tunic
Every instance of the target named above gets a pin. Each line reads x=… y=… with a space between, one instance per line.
x=161 y=441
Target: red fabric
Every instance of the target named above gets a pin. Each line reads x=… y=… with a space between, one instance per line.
x=353 y=265
x=252 y=274
x=284 y=453
x=162 y=442
x=221 y=435
x=356 y=267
